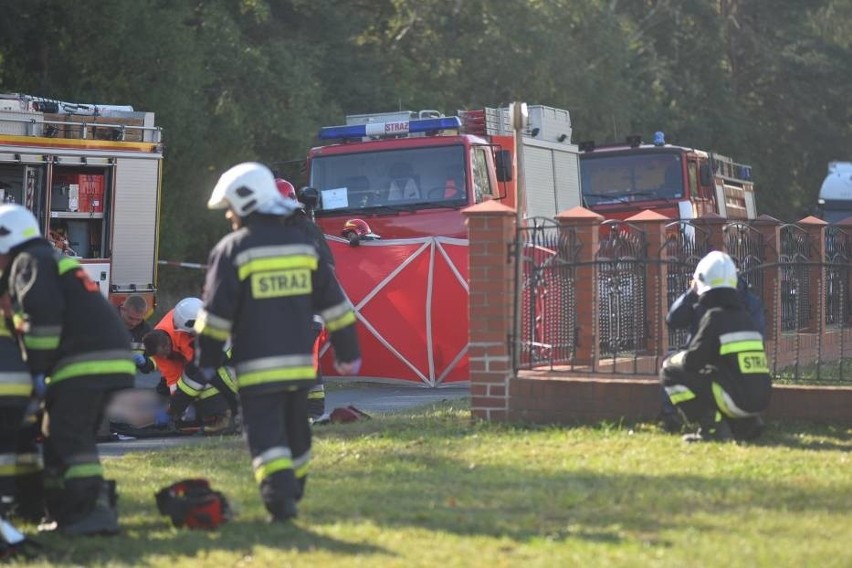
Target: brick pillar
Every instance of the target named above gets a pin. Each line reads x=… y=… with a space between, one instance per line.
x=491 y=280
x=770 y=228
x=714 y=224
x=656 y=277
x=587 y=225
x=815 y=229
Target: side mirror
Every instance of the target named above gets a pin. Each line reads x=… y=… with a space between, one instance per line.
x=503 y=165
x=705 y=176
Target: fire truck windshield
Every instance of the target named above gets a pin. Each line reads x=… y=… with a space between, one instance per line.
x=624 y=178
x=413 y=178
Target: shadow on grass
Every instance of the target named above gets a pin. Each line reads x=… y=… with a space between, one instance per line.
x=236 y=537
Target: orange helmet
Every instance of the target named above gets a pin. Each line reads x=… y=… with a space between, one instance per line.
x=285 y=188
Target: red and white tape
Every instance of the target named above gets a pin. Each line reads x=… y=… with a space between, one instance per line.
x=182 y=264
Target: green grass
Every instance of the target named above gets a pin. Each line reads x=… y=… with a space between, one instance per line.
x=432 y=488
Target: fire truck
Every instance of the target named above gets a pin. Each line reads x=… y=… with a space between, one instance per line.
x=620 y=180
x=407 y=176
x=91 y=174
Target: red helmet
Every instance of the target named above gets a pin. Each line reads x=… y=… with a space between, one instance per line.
x=359 y=227
x=285 y=188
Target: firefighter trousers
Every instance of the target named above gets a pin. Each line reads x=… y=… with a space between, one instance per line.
x=279 y=439
x=73 y=472
x=20 y=463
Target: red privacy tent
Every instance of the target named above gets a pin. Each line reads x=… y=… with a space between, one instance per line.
x=410 y=296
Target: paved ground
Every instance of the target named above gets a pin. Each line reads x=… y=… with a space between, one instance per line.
x=372 y=398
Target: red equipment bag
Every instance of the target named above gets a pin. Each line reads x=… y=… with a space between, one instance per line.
x=193 y=504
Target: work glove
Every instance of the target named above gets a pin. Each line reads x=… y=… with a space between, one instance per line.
x=39 y=385
x=348 y=367
x=143 y=363
x=162 y=418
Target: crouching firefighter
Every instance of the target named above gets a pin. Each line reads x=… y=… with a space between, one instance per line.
x=721 y=380
x=266 y=275
x=73 y=336
x=20 y=461
x=216 y=406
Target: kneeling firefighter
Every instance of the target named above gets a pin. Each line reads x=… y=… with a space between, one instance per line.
x=74 y=337
x=722 y=378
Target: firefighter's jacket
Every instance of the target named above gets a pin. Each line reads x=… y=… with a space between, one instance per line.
x=69 y=329
x=264 y=284
x=728 y=349
x=15 y=380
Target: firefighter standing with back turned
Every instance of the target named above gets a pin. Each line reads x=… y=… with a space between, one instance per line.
x=265 y=281
x=72 y=335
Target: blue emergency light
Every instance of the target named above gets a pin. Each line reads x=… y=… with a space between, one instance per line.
x=397 y=128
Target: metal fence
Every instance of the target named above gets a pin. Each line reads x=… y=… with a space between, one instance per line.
x=631 y=336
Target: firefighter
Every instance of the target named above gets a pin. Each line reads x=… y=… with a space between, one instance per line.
x=20 y=462
x=73 y=336
x=300 y=218
x=267 y=275
x=722 y=376
x=170 y=348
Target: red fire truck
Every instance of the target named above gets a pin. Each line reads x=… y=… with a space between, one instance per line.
x=620 y=180
x=91 y=174
x=408 y=175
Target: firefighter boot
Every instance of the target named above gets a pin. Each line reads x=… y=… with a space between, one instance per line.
x=316 y=401
x=29 y=498
x=278 y=492
x=713 y=428
x=747 y=429
x=102 y=519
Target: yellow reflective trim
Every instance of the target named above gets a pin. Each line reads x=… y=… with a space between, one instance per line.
x=316 y=395
x=4 y=331
x=186 y=389
x=67 y=264
x=273 y=466
x=41 y=341
x=227 y=378
x=277 y=263
x=252 y=378
x=681 y=396
x=281 y=283
x=341 y=322
x=207 y=393
x=16 y=390
x=108 y=367
x=84 y=470
x=739 y=346
x=302 y=470
x=752 y=362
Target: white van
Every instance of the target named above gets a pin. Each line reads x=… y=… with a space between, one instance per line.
x=835 y=195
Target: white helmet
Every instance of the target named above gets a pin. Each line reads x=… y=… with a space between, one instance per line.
x=244 y=188
x=715 y=270
x=17 y=225
x=185 y=314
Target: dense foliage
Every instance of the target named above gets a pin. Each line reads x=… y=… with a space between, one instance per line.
x=764 y=81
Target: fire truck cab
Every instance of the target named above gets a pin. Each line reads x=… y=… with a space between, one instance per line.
x=620 y=180
x=91 y=174
x=408 y=175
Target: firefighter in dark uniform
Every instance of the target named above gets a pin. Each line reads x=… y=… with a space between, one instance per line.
x=74 y=337
x=301 y=219
x=20 y=462
x=722 y=377
x=264 y=283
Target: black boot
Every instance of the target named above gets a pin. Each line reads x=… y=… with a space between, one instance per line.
x=102 y=519
x=712 y=429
